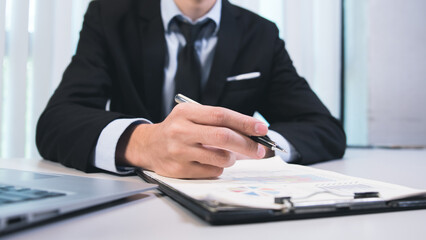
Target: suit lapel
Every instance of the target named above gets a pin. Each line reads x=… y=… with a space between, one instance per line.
x=153 y=56
x=226 y=52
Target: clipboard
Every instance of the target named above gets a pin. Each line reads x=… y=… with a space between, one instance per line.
x=217 y=213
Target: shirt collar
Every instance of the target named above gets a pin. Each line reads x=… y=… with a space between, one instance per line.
x=169 y=10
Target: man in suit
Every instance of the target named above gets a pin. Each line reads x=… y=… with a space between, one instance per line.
x=138 y=53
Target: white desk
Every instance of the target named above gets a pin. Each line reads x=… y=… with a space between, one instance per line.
x=151 y=216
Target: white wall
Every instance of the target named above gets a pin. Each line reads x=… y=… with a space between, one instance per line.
x=397 y=56
x=386 y=55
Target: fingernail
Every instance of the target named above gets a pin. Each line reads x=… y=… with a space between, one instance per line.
x=260 y=128
x=261 y=151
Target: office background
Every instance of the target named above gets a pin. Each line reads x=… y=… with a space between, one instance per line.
x=364 y=58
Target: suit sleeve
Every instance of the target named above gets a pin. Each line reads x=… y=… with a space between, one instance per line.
x=68 y=129
x=297 y=113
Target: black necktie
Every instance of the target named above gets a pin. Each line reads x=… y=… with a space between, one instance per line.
x=188 y=74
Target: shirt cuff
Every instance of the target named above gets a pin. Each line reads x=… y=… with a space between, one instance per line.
x=104 y=157
x=291 y=154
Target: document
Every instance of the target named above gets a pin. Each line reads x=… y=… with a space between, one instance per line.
x=271 y=183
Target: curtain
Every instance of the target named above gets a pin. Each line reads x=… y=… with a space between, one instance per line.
x=37 y=40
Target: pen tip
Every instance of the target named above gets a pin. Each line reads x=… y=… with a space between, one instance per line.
x=281 y=149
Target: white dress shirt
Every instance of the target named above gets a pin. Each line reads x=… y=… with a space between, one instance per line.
x=104 y=156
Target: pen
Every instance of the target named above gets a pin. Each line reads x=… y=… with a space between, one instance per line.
x=264 y=140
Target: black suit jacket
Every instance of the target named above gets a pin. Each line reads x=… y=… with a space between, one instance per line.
x=121 y=55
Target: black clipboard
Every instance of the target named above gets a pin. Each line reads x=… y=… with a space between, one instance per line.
x=226 y=215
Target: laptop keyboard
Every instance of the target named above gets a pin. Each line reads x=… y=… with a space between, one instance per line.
x=12 y=194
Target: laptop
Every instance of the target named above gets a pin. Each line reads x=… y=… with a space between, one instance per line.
x=31 y=197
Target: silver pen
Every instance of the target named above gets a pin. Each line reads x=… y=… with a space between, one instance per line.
x=264 y=140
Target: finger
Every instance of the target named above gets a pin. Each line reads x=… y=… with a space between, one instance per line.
x=199 y=170
x=228 y=139
x=213 y=156
x=191 y=169
x=222 y=117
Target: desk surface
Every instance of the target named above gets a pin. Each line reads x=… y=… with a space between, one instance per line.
x=152 y=216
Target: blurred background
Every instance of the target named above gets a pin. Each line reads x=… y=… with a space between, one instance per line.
x=365 y=59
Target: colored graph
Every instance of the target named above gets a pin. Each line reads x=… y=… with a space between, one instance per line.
x=255 y=191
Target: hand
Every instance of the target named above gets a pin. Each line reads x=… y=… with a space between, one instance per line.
x=194 y=141
x=269 y=153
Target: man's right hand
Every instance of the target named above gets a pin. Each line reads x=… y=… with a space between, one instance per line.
x=194 y=141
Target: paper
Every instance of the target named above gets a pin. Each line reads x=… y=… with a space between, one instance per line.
x=256 y=184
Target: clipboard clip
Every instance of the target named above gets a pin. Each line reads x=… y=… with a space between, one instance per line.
x=359 y=195
x=356 y=195
x=288 y=205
